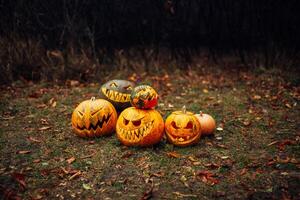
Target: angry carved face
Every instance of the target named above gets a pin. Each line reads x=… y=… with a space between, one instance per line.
x=136 y=127
x=93 y=118
x=117 y=92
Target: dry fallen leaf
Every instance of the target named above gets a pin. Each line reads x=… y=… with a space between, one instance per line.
x=173 y=154
x=256 y=97
x=207 y=177
x=191 y=158
x=44 y=128
x=244 y=171
x=70 y=160
x=32 y=139
x=247 y=123
x=23 y=152
x=20 y=178
x=127 y=154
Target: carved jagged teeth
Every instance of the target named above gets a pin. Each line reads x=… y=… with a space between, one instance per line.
x=180 y=139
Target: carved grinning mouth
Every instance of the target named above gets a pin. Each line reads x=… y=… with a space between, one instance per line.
x=99 y=123
x=183 y=139
x=148 y=96
x=116 y=96
x=137 y=134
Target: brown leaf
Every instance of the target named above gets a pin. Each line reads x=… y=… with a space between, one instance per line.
x=41 y=105
x=127 y=154
x=282 y=144
x=288 y=105
x=70 y=160
x=207 y=177
x=32 y=139
x=256 y=97
x=212 y=166
x=78 y=173
x=191 y=158
x=44 y=128
x=36 y=161
x=244 y=171
x=148 y=194
x=20 y=178
x=247 y=123
x=173 y=154
x=90 y=155
x=23 y=152
x=9 y=193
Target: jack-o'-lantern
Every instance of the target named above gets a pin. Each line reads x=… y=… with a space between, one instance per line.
x=95 y=117
x=182 y=128
x=207 y=122
x=117 y=92
x=137 y=127
x=144 y=97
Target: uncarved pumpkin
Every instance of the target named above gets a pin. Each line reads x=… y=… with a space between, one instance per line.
x=144 y=97
x=207 y=122
x=117 y=92
x=137 y=127
x=95 y=117
x=182 y=128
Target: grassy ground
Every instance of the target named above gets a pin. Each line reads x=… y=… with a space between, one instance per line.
x=254 y=154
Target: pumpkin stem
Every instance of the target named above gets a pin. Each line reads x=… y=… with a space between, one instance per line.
x=184 y=109
x=93 y=99
x=201 y=113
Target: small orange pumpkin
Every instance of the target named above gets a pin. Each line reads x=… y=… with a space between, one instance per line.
x=137 y=127
x=93 y=118
x=207 y=122
x=144 y=97
x=182 y=128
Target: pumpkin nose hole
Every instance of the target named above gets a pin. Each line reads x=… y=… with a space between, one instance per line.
x=189 y=125
x=137 y=123
x=126 y=121
x=174 y=125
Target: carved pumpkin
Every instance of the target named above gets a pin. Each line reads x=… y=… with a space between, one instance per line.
x=137 y=127
x=144 y=97
x=182 y=128
x=93 y=118
x=207 y=122
x=117 y=92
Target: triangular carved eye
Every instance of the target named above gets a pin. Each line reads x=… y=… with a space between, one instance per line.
x=80 y=113
x=189 y=125
x=137 y=122
x=114 y=85
x=93 y=113
x=125 y=121
x=173 y=124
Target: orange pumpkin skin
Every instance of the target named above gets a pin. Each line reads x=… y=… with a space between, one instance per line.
x=137 y=127
x=207 y=122
x=144 y=97
x=93 y=118
x=182 y=128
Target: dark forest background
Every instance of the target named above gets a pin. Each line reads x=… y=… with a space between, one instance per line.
x=74 y=39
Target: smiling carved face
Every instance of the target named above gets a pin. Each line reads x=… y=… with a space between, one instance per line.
x=117 y=92
x=182 y=128
x=93 y=118
x=136 y=127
